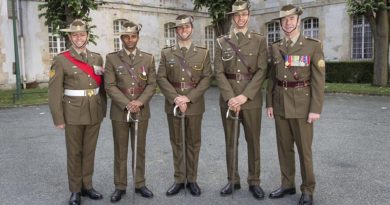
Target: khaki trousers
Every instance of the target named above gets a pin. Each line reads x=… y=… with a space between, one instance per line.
x=288 y=132
x=80 y=147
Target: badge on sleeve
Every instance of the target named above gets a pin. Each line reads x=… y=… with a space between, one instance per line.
x=321 y=64
x=52 y=73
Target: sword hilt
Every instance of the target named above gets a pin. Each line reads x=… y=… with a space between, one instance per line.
x=130 y=118
x=230 y=115
x=177 y=113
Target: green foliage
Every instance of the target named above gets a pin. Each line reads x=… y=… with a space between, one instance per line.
x=349 y=72
x=60 y=13
x=361 y=7
x=217 y=10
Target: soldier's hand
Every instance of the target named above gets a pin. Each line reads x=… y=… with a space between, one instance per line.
x=183 y=108
x=182 y=99
x=270 y=112
x=241 y=99
x=313 y=117
x=61 y=126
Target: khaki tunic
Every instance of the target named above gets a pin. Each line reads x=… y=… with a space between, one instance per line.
x=170 y=71
x=119 y=83
x=81 y=115
x=291 y=106
x=254 y=50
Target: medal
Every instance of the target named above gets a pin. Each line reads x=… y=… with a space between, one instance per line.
x=143 y=70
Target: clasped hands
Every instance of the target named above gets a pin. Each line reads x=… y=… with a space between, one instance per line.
x=236 y=102
x=134 y=106
x=182 y=101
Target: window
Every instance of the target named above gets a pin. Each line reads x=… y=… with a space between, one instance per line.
x=310 y=27
x=56 y=43
x=169 y=34
x=273 y=32
x=361 y=38
x=209 y=41
x=9 y=8
x=117 y=38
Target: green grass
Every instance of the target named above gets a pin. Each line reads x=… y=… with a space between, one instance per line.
x=29 y=97
x=359 y=89
x=39 y=95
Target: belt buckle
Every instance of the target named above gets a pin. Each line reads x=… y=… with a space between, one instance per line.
x=284 y=83
x=90 y=92
x=131 y=91
x=238 y=76
x=182 y=86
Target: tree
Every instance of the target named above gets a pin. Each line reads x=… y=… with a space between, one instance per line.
x=217 y=10
x=376 y=11
x=60 y=13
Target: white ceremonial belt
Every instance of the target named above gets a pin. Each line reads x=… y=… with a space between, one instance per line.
x=80 y=93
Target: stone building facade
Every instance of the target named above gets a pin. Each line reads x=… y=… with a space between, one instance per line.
x=344 y=37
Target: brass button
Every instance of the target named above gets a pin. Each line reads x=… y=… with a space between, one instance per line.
x=238 y=71
x=182 y=78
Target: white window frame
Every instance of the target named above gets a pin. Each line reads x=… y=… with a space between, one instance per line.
x=169 y=34
x=210 y=41
x=362 y=42
x=117 y=27
x=57 y=43
x=273 y=31
x=311 y=27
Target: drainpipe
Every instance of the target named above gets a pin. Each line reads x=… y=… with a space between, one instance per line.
x=22 y=60
x=17 y=71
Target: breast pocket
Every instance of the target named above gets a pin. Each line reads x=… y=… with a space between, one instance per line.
x=120 y=70
x=196 y=71
x=228 y=54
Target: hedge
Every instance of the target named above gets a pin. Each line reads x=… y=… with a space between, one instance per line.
x=349 y=72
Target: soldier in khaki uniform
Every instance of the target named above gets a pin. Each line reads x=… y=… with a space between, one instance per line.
x=183 y=77
x=77 y=102
x=131 y=83
x=241 y=67
x=295 y=96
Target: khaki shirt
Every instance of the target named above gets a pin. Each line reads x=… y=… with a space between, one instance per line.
x=75 y=110
x=297 y=102
x=254 y=49
x=171 y=71
x=120 y=82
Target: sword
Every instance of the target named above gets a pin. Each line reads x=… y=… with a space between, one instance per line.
x=135 y=120
x=181 y=115
x=236 y=135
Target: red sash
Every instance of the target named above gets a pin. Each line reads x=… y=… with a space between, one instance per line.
x=84 y=67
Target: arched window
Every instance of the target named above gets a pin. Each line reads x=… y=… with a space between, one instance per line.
x=56 y=42
x=117 y=38
x=273 y=32
x=209 y=40
x=361 y=38
x=169 y=34
x=310 y=27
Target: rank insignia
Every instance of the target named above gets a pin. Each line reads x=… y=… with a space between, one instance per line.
x=52 y=73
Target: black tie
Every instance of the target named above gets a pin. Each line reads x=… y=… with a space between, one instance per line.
x=184 y=51
x=240 y=37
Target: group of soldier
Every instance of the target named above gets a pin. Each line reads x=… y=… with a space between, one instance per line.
x=293 y=65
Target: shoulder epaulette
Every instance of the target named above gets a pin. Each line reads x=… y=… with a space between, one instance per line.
x=115 y=52
x=277 y=41
x=60 y=53
x=170 y=46
x=202 y=47
x=95 y=53
x=146 y=53
x=253 y=32
x=313 y=39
